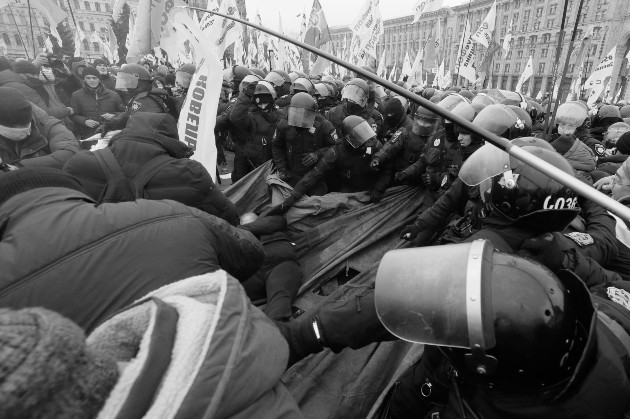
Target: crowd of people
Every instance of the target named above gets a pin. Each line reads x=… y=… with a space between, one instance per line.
x=173 y=328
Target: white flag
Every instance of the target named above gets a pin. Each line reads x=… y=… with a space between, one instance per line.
x=425 y=6
x=79 y=36
x=117 y=9
x=382 y=65
x=439 y=75
x=406 y=68
x=596 y=92
x=282 y=47
x=208 y=19
x=3 y=47
x=392 y=74
x=222 y=32
x=416 y=69
x=194 y=126
x=527 y=73
x=466 y=57
x=483 y=35
x=602 y=71
x=508 y=37
x=367 y=29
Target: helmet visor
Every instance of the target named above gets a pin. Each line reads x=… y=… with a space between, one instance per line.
x=183 y=78
x=300 y=117
x=126 y=81
x=355 y=94
x=360 y=134
x=485 y=163
x=438 y=295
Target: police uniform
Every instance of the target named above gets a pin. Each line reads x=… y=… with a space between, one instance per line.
x=403 y=148
x=337 y=114
x=254 y=130
x=290 y=144
x=155 y=101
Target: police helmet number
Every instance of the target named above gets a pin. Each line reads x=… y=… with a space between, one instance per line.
x=561 y=203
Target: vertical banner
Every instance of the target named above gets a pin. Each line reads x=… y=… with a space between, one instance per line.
x=508 y=37
x=466 y=59
x=483 y=35
x=603 y=70
x=367 y=29
x=425 y=6
x=527 y=73
x=318 y=35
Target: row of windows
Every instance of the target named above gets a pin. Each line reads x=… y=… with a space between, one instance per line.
x=40 y=42
x=541 y=68
x=86 y=5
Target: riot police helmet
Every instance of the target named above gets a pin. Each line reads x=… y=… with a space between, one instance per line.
x=302 y=110
x=356 y=91
x=133 y=77
x=356 y=131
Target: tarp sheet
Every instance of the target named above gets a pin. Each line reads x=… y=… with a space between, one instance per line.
x=340 y=238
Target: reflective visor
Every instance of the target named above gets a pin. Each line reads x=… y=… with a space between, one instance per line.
x=126 y=81
x=355 y=94
x=360 y=134
x=183 y=78
x=300 y=117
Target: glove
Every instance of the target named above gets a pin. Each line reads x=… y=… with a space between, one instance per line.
x=374 y=165
x=282 y=208
x=410 y=232
x=400 y=176
x=551 y=249
x=103 y=129
x=604 y=184
x=309 y=159
x=429 y=179
x=283 y=174
x=376 y=196
x=265 y=225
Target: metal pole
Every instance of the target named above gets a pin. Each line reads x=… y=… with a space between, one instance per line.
x=74 y=21
x=19 y=33
x=555 y=66
x=30 y=18
x=566 y=62
x=553 y=172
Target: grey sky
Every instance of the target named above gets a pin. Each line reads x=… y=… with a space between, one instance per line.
x=337 y=12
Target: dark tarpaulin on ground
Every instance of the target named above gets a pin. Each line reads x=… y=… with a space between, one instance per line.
x=340 y=238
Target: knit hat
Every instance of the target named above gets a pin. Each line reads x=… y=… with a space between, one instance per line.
x=25 y=67
x=27 y=178
x=15 y=110
x=46 y=369
x=90 y=71
x=623 y=143
x=169 y=79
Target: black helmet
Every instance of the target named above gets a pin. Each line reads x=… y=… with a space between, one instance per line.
x=248 y=84
x=524 y=330
x=523 y=115
x=280 y=80
x=257 y=71
x=239 y=72
x=264 y=94
x=133 y=77
x=356 y=91
x=302 y=84
x=520 y=194
x=356 y=131
x=501 y=120
x=302 y=110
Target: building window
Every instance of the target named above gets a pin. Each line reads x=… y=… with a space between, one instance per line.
x=108 y=8
x=539 y=12
x=76 y=4
x=536 y=25
x=553 y=9
x=571 y=67
x=597 y=32
x=81 y=26
x=507 y=68
x=516 y=17
x=87 y=5
x=6 y=39
x=18 y=40
x=508 y=56
x=95 y=46
x=545 y=38
x=92 y=27
x=549 y=23
x=97 y=7
x=526 y=16
x=517 y=4
x=499 y=53
x=22 y=20
x=524 y=28
x=519 y=54
x=86 y=45
x=497 y=68
x=505 y=20
x=503 y=32
x=541 y=68
x=532 y=53
x=521 y=42
x=533 y=39
x=517 y=68
x=593 y=50
x=40 y=41
x=544 y=52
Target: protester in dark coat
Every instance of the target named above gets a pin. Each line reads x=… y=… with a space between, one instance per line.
x=63 y=252
x=147 y=136
x=29 y=136
x=94 y=104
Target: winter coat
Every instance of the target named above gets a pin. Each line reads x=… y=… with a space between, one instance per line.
x=50 y=144
x=61 y=251
x=34 y=93
x=580 y=157
x=210 y=354
x=91 y=104
x=147 y=136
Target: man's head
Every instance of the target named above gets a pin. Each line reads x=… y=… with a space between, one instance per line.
x=101 y=66
x=15 y=115
x=91 y=77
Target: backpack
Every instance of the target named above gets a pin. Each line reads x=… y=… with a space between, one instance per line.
x=119 y=187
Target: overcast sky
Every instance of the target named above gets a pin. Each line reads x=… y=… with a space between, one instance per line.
x=337 y=12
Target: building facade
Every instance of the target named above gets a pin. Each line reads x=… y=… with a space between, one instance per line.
x=536 y=27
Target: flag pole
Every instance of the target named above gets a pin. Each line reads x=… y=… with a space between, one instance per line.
x=19 y=33
x=547 y=127
x=30 y=18
x=553 y=172
x=566 y=62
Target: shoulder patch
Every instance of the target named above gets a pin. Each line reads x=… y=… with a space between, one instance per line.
x=135 y=105
x=395 y=136
x=619 y=296
x=334 y=135
x=600 y=150
x=582 y=239
x=436 y=142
